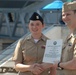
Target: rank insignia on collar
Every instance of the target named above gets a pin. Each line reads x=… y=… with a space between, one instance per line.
x=70 y=44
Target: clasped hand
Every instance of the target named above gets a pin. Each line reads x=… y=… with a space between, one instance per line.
x=39 y=68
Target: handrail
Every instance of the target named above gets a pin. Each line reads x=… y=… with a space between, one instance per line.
x=7 y=69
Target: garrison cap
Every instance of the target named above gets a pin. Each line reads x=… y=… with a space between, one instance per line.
x=35 y=16
x=68 y=6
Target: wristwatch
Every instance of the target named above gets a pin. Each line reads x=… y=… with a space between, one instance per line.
x=60 y=66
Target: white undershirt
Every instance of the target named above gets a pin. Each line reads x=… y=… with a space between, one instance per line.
x=36 y=40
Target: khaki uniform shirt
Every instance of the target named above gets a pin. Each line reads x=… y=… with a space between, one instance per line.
x=29 y=52
x=68 y=52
